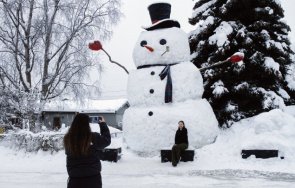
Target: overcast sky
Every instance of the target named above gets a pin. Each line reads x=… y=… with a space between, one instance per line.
x=114 y=80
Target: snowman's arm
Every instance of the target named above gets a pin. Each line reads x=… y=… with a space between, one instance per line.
x=235 y=58
x=110 y=59
x=214 y=65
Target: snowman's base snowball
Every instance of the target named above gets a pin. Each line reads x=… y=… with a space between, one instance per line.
x=146 y=133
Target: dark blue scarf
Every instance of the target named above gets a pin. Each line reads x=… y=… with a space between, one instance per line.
x=165 y=73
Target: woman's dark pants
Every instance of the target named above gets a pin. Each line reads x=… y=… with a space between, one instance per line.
x=85 y=182
x=176 y=151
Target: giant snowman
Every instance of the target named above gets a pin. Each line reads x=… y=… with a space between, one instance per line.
x=165 y=88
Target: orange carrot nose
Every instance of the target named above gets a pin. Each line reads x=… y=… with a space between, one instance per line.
x=149 y=48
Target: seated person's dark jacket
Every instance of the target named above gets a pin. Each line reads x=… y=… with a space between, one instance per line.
x=181 y=136
x=85 y=166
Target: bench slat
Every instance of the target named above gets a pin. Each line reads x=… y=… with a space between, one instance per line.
x=112 y=155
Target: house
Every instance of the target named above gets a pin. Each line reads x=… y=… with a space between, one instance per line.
x=61 y=113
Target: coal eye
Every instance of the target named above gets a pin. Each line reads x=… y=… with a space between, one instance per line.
x=163 y=41
x=143 y=43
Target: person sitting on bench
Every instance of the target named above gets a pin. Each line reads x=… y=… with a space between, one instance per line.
x=181 y=143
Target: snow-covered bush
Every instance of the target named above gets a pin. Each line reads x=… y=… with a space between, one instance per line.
x=49 y=141
x=269 y=130
x=33 y=142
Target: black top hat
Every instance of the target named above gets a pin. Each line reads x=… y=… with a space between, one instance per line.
x=160 y=17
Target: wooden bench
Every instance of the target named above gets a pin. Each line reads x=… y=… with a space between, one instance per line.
x=111 y=154
x=187 y=155
x=259 y=153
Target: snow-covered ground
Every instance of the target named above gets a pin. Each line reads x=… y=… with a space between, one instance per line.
x=216 y=165
x=48 y=171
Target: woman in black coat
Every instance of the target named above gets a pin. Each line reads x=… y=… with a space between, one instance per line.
x=181 y=143
x=83 y=149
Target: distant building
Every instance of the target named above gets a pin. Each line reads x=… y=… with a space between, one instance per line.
x=61 y=113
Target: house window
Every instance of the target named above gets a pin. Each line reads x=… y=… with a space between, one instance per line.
x=56 y=123
x=93 y=119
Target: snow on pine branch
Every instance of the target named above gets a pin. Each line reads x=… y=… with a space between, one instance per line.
x=266 y=9
x=202 y=26
x=230 y=107
x=281 y=46
x=283 y=93
x=290 y=77
x=203 y=8
x=221 y=33
x=270 y=99
x=271 y=65
x=243 y=85
x=219 y=89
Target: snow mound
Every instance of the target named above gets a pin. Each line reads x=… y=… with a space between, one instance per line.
x=269 y=130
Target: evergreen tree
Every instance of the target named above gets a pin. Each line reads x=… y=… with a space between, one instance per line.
x=254 y=27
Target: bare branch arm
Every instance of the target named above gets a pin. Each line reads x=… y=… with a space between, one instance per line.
x=115 y=61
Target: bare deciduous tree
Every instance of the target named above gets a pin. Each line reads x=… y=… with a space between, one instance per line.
x=43 y=48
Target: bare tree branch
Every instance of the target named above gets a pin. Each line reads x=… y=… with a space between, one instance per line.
x=42 y=46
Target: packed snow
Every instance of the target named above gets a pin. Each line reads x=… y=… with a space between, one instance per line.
x=176 y=49
x=269 y=130
x=216 y=165
x=149 y=134
x=140 y=82
x=151 y=120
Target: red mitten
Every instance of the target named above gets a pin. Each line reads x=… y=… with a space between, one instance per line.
x=237 y=57
x=96 y=45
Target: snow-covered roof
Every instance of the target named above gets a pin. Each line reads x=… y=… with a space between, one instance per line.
x=87 y=106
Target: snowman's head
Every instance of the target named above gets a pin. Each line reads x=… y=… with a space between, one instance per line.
x=161 y=46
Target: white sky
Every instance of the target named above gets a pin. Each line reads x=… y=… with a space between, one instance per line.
x=114 y=80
